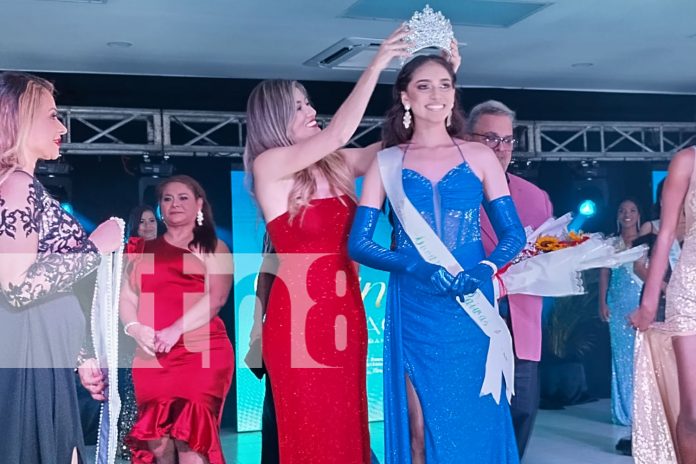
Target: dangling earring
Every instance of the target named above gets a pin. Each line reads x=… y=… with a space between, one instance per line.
x=199 y=218
x=449 y=119
x=407 y=116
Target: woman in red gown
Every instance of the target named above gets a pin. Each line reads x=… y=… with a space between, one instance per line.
x=184 y=362
x=314 y=333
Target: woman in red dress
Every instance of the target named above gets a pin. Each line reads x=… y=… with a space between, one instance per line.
x=184 y=362
x=314 y=334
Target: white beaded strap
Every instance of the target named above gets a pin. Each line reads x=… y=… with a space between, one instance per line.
x=128 y=326
x=490 y=264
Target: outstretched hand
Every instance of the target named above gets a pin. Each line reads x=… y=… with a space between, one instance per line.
x=453 y=56
x=392 y=47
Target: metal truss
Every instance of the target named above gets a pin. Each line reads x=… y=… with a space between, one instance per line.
x=605 y=141
x=148 y=132
x=111 y=131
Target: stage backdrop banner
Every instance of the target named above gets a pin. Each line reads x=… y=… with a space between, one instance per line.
x=247 y=242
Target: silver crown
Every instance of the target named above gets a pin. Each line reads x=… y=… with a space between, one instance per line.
x=429 y=29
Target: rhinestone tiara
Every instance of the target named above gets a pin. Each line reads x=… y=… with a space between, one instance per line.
x=429 y=29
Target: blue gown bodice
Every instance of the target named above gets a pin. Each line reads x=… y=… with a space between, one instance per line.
x=451 y=207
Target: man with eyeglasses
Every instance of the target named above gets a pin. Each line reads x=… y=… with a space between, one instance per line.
x=491 y=123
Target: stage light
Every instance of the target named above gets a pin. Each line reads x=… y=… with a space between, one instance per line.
x=156 y=170
x=587 y=208
x=84 y=221
x=150 y=177
x=67 y=207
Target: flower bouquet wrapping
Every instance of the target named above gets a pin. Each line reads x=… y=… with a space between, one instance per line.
x=553 y=259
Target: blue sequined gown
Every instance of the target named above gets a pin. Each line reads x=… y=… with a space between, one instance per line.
x=623 y=296
x=433 y=341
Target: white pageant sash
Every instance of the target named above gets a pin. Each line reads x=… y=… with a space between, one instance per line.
x=105 y=325
x=500 y=359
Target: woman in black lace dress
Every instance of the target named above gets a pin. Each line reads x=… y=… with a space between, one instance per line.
x=43 y=252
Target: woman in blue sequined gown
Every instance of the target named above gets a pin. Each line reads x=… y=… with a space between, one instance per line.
x=434 y=353
x=619 y=295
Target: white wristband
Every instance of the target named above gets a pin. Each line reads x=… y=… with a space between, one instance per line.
x=128 y=326
x=490 y=264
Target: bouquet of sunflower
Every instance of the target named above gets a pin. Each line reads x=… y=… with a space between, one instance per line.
x=553 y=259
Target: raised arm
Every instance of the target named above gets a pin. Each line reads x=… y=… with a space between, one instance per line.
x=28 y=276
x=281 y=162
x=360 y=159
x=673 y=194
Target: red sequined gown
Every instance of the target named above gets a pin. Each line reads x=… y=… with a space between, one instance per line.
x=315 y=338
x=179 y=394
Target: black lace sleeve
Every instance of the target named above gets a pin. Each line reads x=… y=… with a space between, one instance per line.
x=47 y=247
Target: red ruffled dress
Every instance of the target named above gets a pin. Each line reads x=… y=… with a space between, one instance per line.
x=179 y=394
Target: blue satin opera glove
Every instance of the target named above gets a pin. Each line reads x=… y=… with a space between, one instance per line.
x=507 y=226
x=511 y=239
x=471 y=280
x=363 y=249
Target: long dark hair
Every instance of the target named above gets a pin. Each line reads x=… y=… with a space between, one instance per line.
x=204 y=237
x=393 y=130
x=136 y=215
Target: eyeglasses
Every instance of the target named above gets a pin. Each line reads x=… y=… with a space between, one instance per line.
x=492 y=140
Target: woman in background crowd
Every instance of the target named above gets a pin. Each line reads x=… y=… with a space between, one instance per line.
x=619 y=294
x=184 y=362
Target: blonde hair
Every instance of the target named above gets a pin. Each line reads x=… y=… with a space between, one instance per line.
x=20 y=97
x=270 y=110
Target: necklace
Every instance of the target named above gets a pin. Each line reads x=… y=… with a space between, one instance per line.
x=104 y=328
